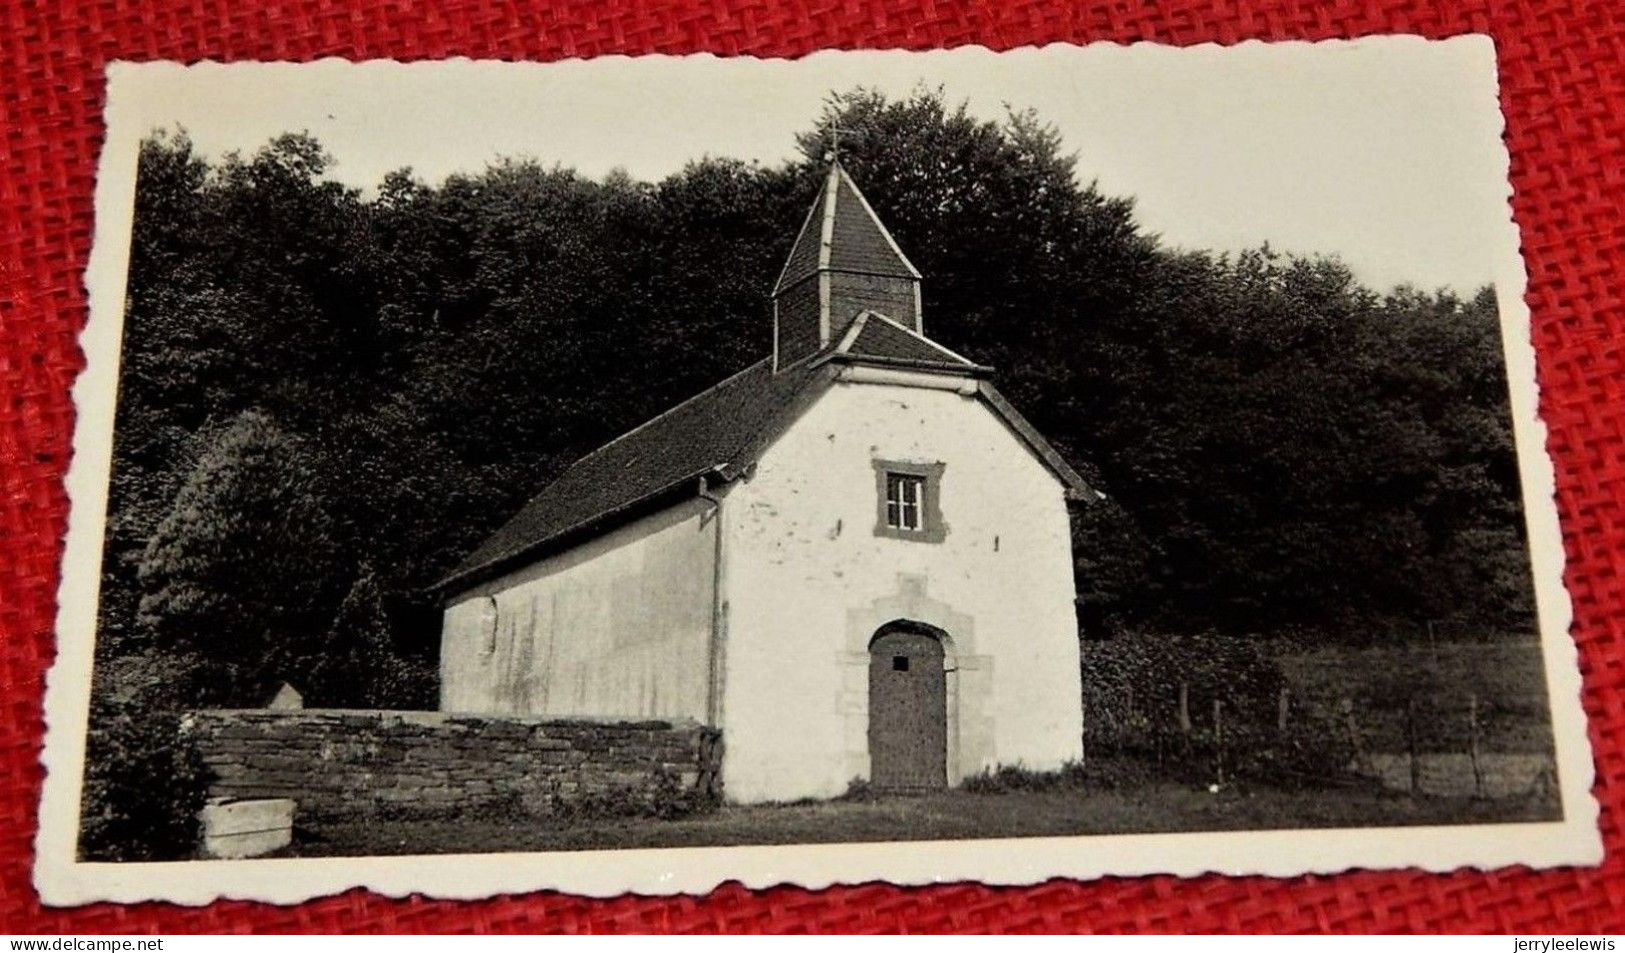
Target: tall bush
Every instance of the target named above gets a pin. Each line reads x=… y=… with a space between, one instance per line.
x=1232 y=690
x=359 y=666
x=242 y=570
x=143 y=786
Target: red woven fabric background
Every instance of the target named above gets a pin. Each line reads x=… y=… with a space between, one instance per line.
x=1563 y=91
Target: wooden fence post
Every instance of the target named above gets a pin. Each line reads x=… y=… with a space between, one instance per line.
x=1412 y=746
x=1283 y=706
x=1218 y=741
x=1472 y=744
x=1545 y=784
x=1361 y=762
x=1083 y=731
x=1184 y=709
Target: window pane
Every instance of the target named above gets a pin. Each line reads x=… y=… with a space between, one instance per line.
x=905 y=494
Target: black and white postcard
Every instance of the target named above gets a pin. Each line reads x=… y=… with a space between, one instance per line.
x=635 y=474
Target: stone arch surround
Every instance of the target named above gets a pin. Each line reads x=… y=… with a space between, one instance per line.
x=969 y=677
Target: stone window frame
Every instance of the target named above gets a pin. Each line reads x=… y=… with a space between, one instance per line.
x=933 y=529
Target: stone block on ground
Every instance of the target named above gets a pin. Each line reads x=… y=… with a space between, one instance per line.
x=249 y=828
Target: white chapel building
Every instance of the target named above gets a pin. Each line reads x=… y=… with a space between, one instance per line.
x=853 y=557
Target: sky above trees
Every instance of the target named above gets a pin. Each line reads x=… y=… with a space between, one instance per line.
x=1385 y=151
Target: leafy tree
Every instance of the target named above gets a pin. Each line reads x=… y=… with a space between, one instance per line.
x=1280 y=446
x=959 y=192
x=358 y=666
x=241 y=570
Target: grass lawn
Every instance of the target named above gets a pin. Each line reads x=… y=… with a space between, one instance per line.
x=1142 y=808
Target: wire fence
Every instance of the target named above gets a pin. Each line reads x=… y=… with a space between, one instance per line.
x=1426 y=731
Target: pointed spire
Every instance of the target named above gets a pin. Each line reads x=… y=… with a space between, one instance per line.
x=844 y=262
x=843 y=233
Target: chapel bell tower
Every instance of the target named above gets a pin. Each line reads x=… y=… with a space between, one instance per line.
x=844 y=263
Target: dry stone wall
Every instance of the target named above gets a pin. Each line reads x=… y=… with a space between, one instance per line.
x=357 y=764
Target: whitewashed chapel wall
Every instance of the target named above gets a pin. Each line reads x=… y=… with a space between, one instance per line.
x=808 y=581
x=617 y=627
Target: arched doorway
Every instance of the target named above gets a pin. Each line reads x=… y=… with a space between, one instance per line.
x=908 y=708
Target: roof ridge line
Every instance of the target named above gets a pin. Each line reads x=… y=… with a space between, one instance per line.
x=751 y=409
x=852 y=332
x=806 y=220
x=462 y=572
x=826 y=236
x=669 y=411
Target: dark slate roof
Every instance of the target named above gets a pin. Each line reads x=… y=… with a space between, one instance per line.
x=718 y=431
x=807 y=254
x=873 y=335
x=842 y=233
x=858 y=241
x=717 y=435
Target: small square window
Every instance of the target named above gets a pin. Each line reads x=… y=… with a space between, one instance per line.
x=899 y=663
x=908 y=501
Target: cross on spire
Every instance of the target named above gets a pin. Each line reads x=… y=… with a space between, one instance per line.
x=834 y=152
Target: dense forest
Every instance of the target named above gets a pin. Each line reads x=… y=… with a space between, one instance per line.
x=328 y=396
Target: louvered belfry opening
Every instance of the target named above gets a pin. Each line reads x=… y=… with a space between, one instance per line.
x=844 y=262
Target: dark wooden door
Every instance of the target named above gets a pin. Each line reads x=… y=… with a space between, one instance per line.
x=908 y=712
